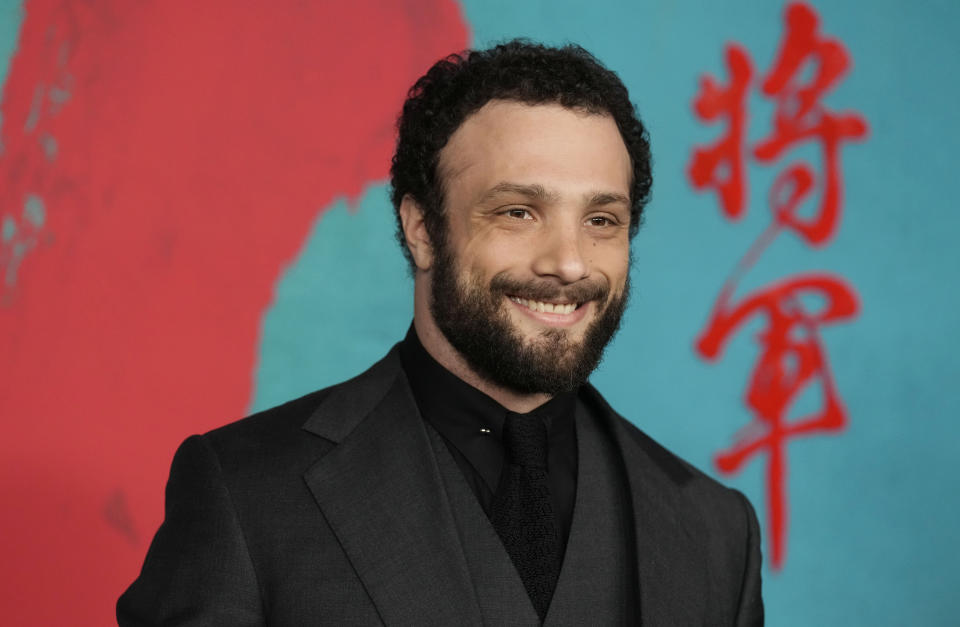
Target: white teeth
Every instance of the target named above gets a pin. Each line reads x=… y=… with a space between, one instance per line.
x=538 y=306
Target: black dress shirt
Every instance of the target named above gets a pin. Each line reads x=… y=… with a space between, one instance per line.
x=471 y=424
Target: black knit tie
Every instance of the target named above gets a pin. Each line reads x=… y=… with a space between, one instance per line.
x=522 y=512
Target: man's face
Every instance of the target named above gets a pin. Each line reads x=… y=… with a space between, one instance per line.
x=531 y=281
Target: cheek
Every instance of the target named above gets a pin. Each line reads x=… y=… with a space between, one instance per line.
x=612 y=261
x=491 y=255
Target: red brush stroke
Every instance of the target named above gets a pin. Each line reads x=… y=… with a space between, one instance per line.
x=194 y=144
x=801 y=117
x=792 y=355
x=721 y=165
x=792 y=358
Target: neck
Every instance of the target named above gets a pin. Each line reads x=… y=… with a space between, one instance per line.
x=436 y=343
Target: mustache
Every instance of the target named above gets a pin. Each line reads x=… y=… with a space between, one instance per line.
x=579 y=292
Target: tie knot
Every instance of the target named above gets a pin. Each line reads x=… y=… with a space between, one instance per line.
x=525 y=440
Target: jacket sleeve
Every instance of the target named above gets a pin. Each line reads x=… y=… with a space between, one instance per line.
x=198 y=570
x=750 y=611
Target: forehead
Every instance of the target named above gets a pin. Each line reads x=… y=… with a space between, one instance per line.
x=543 y=144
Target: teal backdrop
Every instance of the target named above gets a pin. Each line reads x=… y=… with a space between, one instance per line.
x=301 y=243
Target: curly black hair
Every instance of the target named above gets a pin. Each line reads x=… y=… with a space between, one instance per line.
x=519 y=70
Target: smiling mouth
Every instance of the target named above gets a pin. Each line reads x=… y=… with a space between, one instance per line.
x=546 y=307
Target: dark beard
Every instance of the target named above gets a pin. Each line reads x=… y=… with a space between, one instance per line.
x=475 y=321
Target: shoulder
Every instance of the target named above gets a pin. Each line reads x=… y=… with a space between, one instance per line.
x=297 y=432
x=718 y=523
x=714 y=503
x=268 y=428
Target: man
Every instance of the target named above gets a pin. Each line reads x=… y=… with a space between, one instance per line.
x=472 y=476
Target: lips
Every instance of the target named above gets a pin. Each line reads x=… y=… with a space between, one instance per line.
x=532 y=293
x=544 y=306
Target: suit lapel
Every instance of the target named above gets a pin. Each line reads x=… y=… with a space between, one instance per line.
x=669 y=536
x=595 y=585
x=381 y=493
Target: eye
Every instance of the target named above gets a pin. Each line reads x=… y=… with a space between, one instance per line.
x=600 y=221
x=518 y=213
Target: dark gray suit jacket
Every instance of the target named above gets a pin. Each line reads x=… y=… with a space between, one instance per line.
x=330 y=510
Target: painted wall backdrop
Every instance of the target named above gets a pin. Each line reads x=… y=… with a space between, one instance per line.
x=194 y=225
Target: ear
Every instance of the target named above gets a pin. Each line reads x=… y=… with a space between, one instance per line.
x=415 y=233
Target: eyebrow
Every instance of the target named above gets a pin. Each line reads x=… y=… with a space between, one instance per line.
x=535 y=191
x=607 y=198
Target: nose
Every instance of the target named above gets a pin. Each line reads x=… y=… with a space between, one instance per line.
x=559 y=253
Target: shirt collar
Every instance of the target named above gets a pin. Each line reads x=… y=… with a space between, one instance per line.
x=466 y=417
